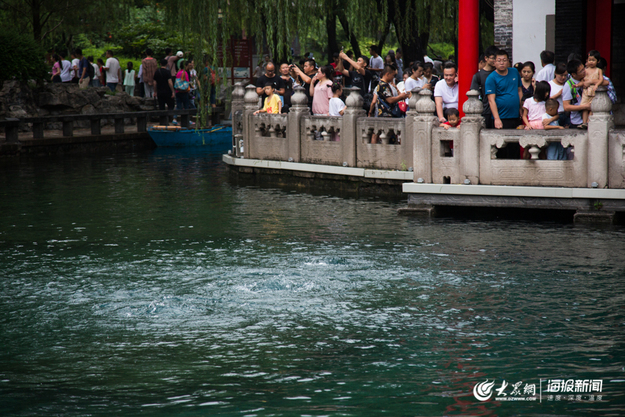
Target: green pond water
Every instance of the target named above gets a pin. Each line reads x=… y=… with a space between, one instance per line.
x=147 y=284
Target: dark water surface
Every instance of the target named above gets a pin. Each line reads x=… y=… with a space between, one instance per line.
x=146 y=284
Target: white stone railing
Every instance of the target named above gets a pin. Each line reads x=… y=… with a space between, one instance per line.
x=464 y=155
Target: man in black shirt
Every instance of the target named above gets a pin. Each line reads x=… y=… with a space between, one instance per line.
x=269 y=77
x=306 y=76
x=359 y=75
x=479 y=83
x=164 y=87
x=288 y=86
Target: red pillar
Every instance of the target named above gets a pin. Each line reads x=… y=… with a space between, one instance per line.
x=468 y=46
x=599 y=29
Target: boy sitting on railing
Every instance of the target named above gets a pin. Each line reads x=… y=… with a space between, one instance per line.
x=272 y=104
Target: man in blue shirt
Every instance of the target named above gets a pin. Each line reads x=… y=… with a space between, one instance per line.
x=503 y=89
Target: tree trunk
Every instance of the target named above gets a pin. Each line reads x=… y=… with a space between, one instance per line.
x=387 y=29
x=333 y=45
x=350 y=35
x=36 y=21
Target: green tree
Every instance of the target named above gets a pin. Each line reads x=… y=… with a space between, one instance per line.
x=26 y=58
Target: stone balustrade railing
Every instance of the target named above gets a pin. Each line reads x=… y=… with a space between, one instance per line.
x=467 y=154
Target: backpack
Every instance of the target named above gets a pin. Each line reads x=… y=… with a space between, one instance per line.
x=90 y=70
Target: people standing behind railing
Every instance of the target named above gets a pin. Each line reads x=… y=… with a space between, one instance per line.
x=95 y=81
x=66 y=69
x=148 y=67
x=479 y=83
x=534 y=107
x=321 y=91
x=388 y=100
x=272 y=103
x=359 y=75
x=503 y=88
x=269 y=77
x=305 y=76
x=164 y=91
x=56 y=68
x=416 y=80
x=182 y=86
x=592 y=80
x=527 y=79
x=129 y=80
x=102 y=72
x=84 y=69
x=288 y=86
x=555 y=150
x=446 y=93
x=571 y=95
x=337 y=107
x=602 y=64
x=75 y=62
x=430 y=78
x=376 y=63
x=547 y=58
x=113 y=71
x=557 y=84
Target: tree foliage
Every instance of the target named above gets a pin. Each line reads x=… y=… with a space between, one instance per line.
x=25 y=58
x=43 y=18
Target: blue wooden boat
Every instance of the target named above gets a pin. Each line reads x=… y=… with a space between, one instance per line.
x=216 y=136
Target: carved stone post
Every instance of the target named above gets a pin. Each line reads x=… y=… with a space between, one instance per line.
x=349 y=129
x=238 y=108
x=424 y=121
x=299 y=108
x=599 y=127
x=409 y=135
x=468 y=150
x=251 y=105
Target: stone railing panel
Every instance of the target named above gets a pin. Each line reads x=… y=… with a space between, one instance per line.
x=382 y=143
x=269 y=137
x=445 y=156
x=534 y=171
x=616 y=163
x=321 y=140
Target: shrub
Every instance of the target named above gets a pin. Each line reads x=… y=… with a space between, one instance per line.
x=24 y=58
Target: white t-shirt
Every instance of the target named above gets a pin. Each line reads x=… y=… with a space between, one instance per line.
x=112 y=75
x=548 y=116
x=336 y=105
x=96 y=71
x=555 y=89
x=535 y=109
x=66 y=71
x=547 y=73
x=449 y=94
x=576 y=116
x=75 y=63
x=376 y=62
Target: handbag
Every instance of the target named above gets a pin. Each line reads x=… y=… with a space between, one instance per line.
x=393 y=109
x=181 y=84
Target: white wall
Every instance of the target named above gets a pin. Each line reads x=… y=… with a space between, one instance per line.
x=529 y=28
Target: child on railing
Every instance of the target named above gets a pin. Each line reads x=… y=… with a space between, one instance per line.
x=272 y=104
x=337 y=107
x=534 y=108
x=453 y=119
x=592 y=80
x=555 y=150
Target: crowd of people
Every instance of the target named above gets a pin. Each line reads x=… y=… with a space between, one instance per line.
x=173 y=81
x=558 y=96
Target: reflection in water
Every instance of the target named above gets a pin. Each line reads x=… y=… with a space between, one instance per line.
x=146 y=283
